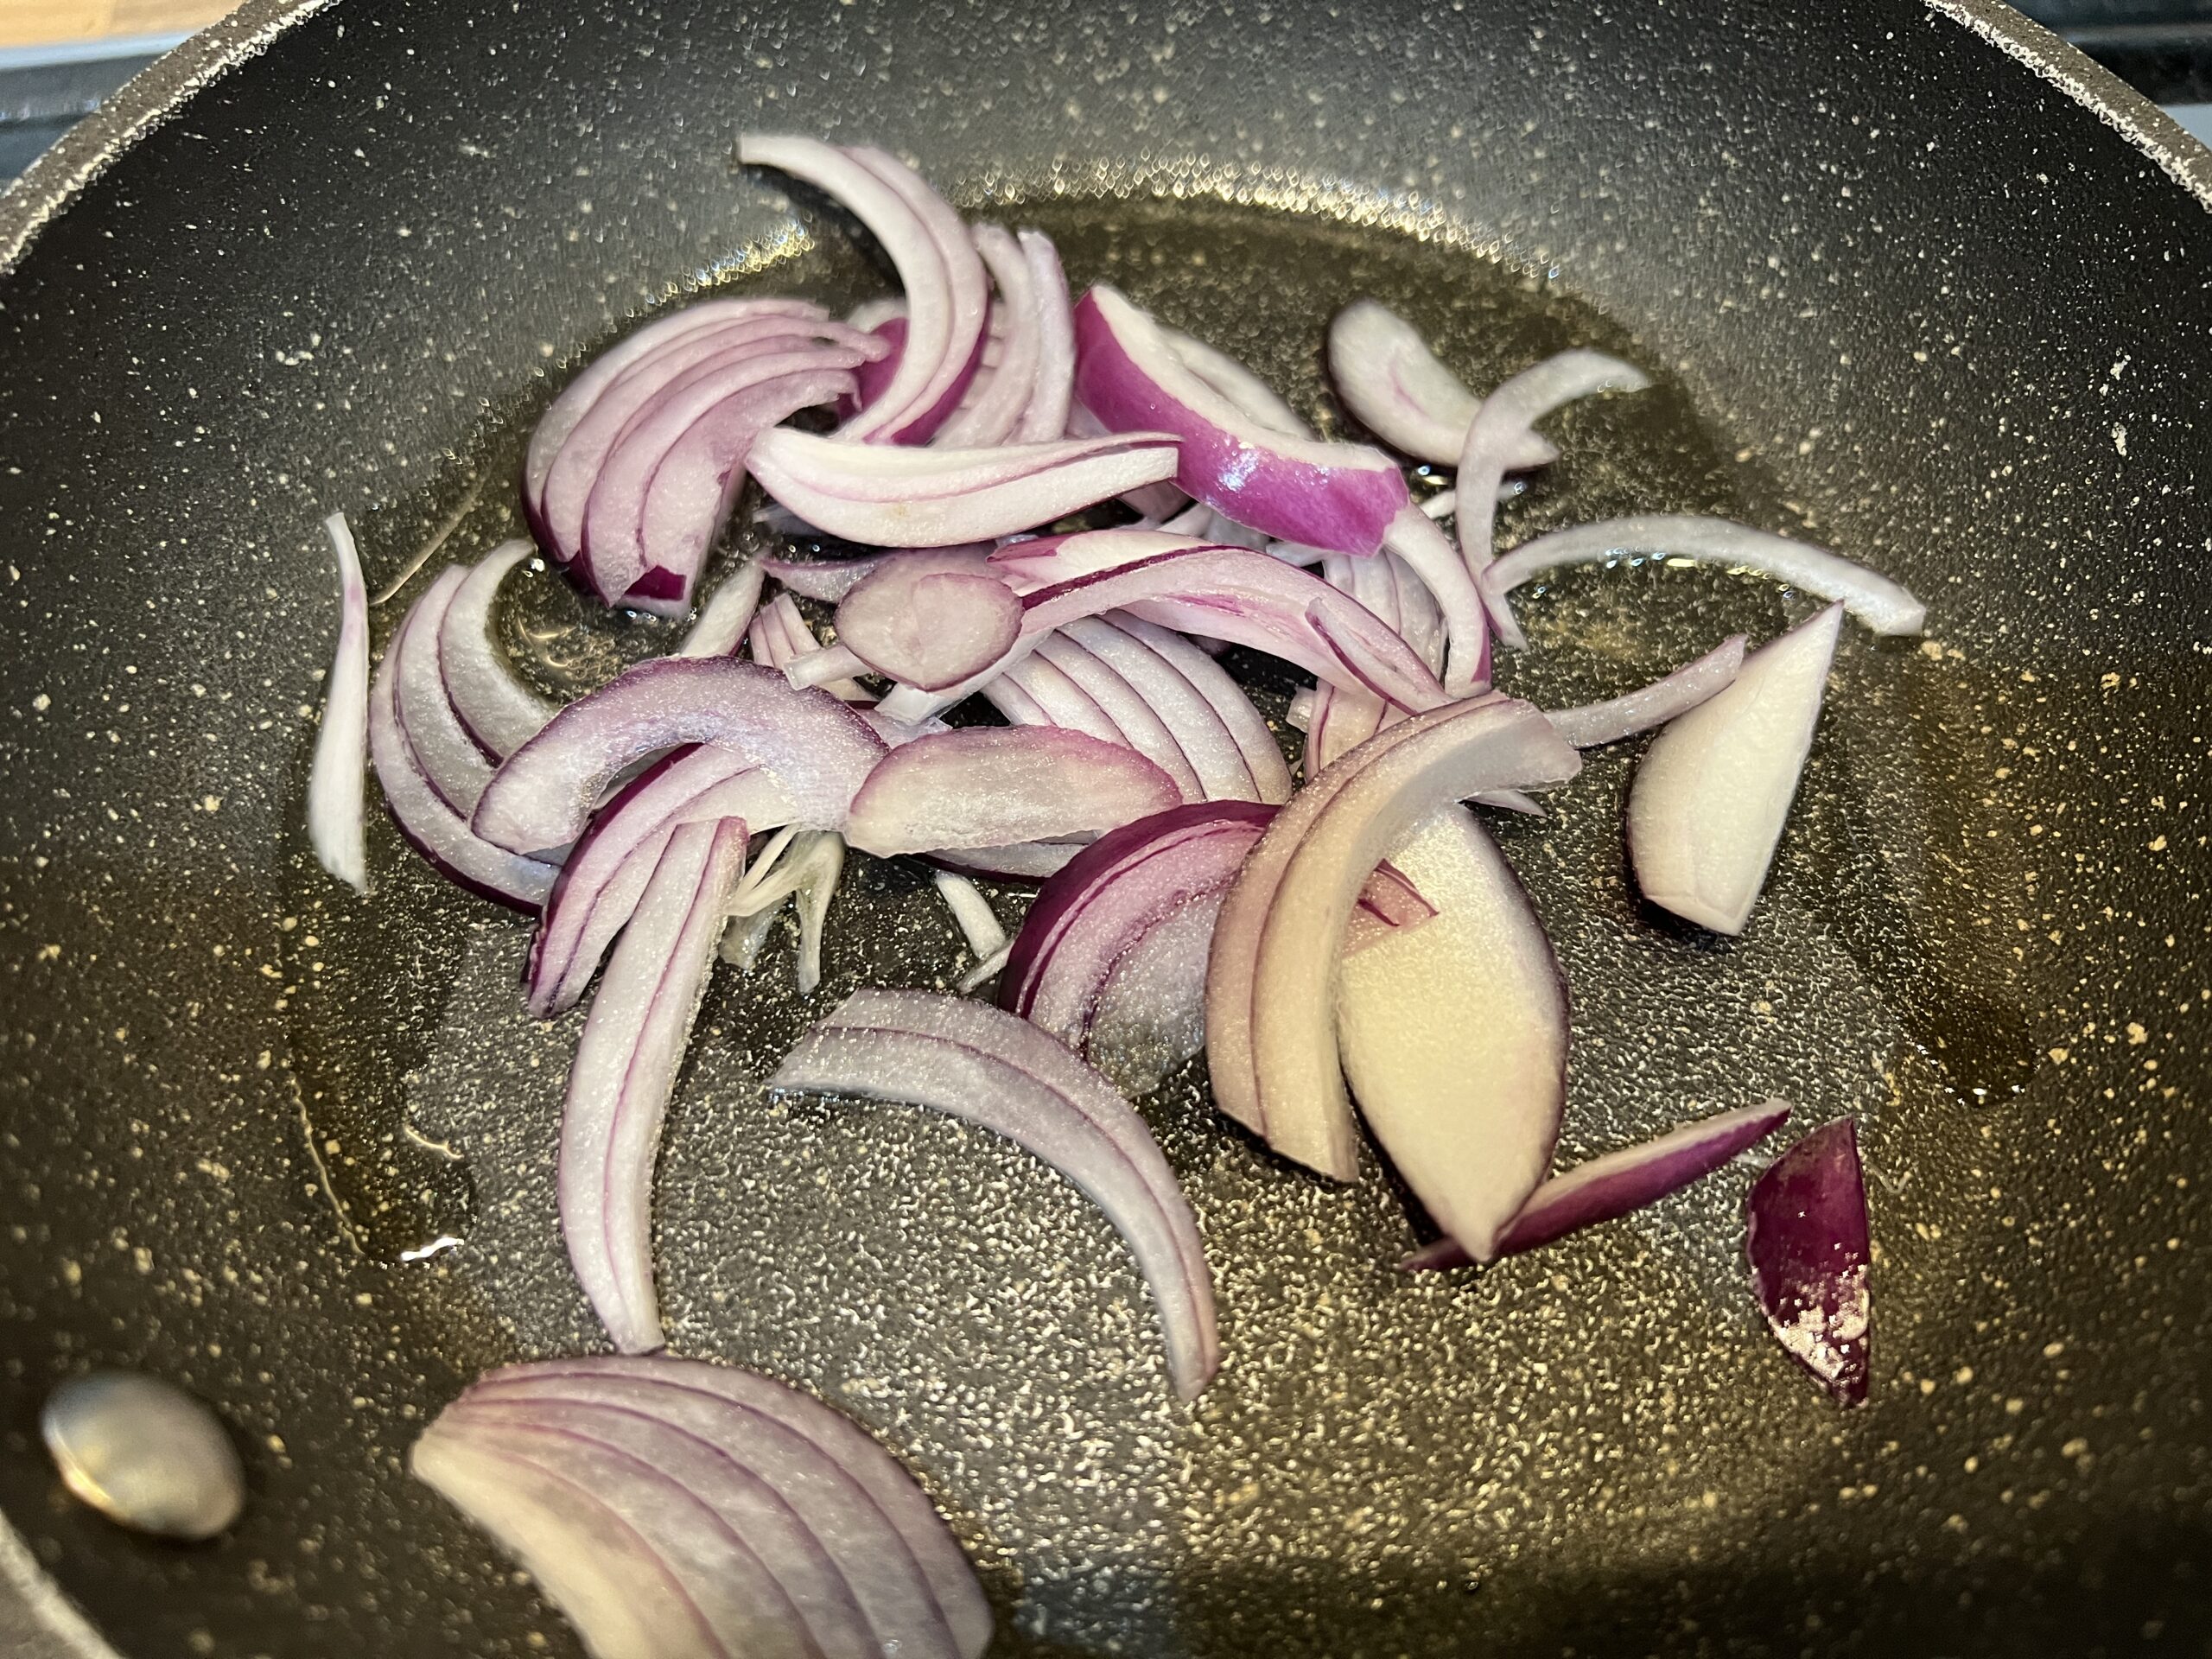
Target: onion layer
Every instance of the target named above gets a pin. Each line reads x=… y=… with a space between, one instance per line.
x=335 y=824
x=501 y=712
x=985 y=786
x=1807 y=1239
x=1394 y=386
x=1597 y=723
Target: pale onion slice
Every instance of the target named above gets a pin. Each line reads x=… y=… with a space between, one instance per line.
x=1394 y=386
x=720 y=628
x=1714 y=791
x=448 y=755
x=984 y=786
x=1597 y=723
x=336 y=825
x=501 y=713
x=1046 y=417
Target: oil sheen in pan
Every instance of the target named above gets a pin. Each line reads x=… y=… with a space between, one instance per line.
x=950 y=1291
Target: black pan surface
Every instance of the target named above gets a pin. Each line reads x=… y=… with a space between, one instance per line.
x=1914 y=281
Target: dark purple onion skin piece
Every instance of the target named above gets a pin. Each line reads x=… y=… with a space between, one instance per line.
x=1807 y=1238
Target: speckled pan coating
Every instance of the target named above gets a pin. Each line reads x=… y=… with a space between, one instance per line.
x=1915 y=283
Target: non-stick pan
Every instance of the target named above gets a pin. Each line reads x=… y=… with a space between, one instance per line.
x=1914 y=279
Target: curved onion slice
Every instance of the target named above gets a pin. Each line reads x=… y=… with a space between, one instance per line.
x=937 y=498
x=1876 y=601
x=625 y=1070
x=667 y=487
x=1639 y=710
x=1615 y=1183
x=1111 y=958
x=930 y=619
x=1713 y=791
x=721 y=626
x=780 y=636
x=1807 y=1240
x=564 y=499
x=979 y=924
x=985 y=786
x=444 y=750
x=1395 y=388
x=1272 y=1045
x=1468 y=1110
x=1046 y=415
x=1340 y=720
x=1255 y=398
x=1502 y=424
x=1035 y=692
x=976 y=1062
x=994 y=405
x=828 y=579
x=579 y=395
x=501 y=712
x=336 y=827
x=606 y=873
x=942 y=278
x=1146 y=732
x=1247 y=726
x=1191 y=718
x=709 y=1450
x=544 y=793
x=1155 y=502
x=1415 y=540
x=440 y=835
x=1339 y=496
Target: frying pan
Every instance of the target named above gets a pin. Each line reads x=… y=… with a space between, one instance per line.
x=1916 y=279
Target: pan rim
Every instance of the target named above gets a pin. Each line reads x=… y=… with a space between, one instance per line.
x=146 y=102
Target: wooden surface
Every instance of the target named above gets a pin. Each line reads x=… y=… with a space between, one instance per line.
x=35 y=22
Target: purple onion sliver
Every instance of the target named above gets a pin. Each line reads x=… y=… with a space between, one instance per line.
x=1596 y=723
x=501 y=712
x=1807 y=1240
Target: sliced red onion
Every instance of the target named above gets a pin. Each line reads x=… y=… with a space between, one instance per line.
x=978 y=923
x=977 y=1063
x=668 y=485
x=940 y=497
x=1596 y=723
x=1247 y=726
x=1299 y=712
x=440 y=835
x=984 y=972
x=942 y=280
x=581 y=394
x=1395 y=388
x=501 y=712
x=1046 y=415
x=780 y=638
x=1146 y=732
x=1201 y=737
x=1339 y=496
x=721 y=626
x=1467 y=1110
x=827 y=580
x=995 y=408
x=1228 y=593
x=1111 y=958
x=1025 y=860
x=1876 y=601
x=335 y=824
x=1272 y=1045
x=1155 y=502
x=444 y=750
x=1807 y=1240
x=822 y=867
x=1340 y=720
x=930 y=619
x=800 y=1485
x=1035 y=692
x=1254 y=398
x=606 y=873
x=544 y=793
x=625 y=1070
x=564 y=499
x=807 y=869
x=991 y=786
x=1503 y=423
x=1714 y=791
x=1423 y=549
x=1389 y=902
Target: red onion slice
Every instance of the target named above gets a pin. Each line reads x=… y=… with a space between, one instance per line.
x=996 y=405
x=937 y=498
x=761 y=1455
x=1339 y=720
x=1146 y=732
x=440 y=835
x=1714 y=791
x=779 y=637
x=1394 y=386
x=565 y=497
x=1339 y=496
x=1414 y=540
x=1035 y=692
x=442 y=748
x=543 y=795
x=1155 y=502
x=605 y=875
x=721 y=626
x=1467 y=1110
x=336 y=826
x=1254 y=398
x=828 y=579
x=579 y=397
x=1876 y=601
x=501 y=712
x=930 y=619
x=975 y=1062
x=1272 y=1046
x=1597 y=723
x=625 y=1070
x=1807 y=1239
x=1201 y=736
x=1503 y=423
x=1389 y=902
x=991 y=786
x=667 y=487
x=944 y=300
x=1046 y=415
x=968 y=285
x=978 y=923
x=1247 y=726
